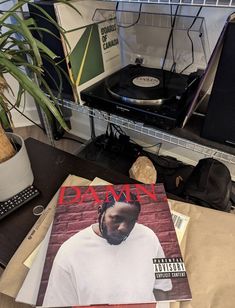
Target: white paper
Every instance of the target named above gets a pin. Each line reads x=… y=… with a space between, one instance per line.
x=29 y=291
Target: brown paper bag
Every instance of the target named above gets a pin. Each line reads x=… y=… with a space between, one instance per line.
x=208 y=248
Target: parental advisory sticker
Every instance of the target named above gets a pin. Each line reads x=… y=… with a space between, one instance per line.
x=169 y=268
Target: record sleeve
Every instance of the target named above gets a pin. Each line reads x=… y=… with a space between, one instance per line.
x=113 y=245
x=91 y=49
x=210 y=72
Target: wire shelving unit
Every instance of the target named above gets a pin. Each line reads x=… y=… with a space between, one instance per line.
x=141 y=128
x=206 y=3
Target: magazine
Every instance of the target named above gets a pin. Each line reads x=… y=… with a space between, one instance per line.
x=112 y=244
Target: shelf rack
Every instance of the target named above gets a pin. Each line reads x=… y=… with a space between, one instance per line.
x=206 y=3
x=150 y=131
x=163 y=20
x=206 y=151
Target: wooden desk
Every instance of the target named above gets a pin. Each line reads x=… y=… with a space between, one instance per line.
x=208 y=246
x=50 y=167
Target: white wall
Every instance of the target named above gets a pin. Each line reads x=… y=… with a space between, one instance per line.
x=27 y=105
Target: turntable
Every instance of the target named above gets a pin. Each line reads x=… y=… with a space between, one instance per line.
x=148 y=95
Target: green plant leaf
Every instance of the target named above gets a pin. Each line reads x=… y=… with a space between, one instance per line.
x=13 y=9
x=47 y=17
x=45 y=49
x=21 y=56
x=32 y=88
x=19 y=96
x=25 y=32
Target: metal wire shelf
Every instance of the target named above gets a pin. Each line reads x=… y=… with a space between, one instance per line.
x=152 y=132
x=206 y=3
x=153 y=19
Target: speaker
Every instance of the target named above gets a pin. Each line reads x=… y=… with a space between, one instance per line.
x=51 y=38
x=219 y=124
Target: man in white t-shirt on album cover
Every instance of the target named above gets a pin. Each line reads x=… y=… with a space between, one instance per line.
x=109 y=262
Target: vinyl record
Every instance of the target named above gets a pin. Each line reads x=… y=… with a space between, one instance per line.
x=140 y=85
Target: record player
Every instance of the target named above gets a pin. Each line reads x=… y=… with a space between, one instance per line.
x=152 y=96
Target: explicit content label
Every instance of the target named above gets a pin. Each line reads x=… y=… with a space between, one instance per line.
x=169 y=268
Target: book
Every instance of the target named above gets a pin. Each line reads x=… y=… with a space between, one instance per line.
x=112 y=244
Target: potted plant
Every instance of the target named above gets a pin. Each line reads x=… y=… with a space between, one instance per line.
x=21 y=56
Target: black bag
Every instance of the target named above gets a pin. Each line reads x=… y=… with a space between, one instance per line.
x=209 y=185
x=172 y=172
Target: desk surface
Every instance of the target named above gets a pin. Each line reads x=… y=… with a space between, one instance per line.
x=50 y=167
x=208 y=245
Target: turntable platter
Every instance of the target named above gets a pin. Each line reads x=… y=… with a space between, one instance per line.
x=141 y=85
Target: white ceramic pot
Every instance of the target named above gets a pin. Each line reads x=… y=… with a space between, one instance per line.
x=15 y=173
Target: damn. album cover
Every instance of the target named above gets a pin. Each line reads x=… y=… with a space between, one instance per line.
x=113 y=244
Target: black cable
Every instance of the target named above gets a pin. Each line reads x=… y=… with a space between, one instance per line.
x=151 y=146
x=192 y=46
x=36 y=124
x=192 y=52
x=159 y=144
x=173 y=67
x=117 y=4
x=170 y=37
x=134 y=23
x=120 y=131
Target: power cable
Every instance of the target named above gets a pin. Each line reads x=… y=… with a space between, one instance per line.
x=191 y=41
x=135 y=22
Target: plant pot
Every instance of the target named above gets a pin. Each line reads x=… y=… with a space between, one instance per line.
x=15 y=173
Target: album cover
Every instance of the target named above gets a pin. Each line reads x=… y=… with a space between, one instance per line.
x=112 y=245
x=91 y=47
